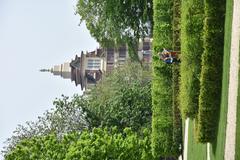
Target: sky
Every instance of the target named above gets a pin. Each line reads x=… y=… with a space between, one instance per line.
x=36 y=34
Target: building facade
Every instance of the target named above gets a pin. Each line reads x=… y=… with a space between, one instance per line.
x=87 y=68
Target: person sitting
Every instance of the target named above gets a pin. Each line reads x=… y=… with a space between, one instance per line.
x=169 y=57
x=168 y=60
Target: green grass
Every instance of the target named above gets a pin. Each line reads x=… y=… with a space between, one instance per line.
x=237 y=150
x=217 y=147
x=196 y=151
x=162 y=75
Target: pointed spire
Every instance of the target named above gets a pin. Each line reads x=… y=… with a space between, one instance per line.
x=45 y=70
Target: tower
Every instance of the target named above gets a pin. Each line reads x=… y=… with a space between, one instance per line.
x=87 y=69
x=62 y=70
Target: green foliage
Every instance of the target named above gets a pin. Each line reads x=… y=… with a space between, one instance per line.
x=162 y=93
x=111 y=22
x=67 y=116
x=177 y=119
x=122 y=99
x=117 y=22
x=166 y=121
x=96 y=145
x=211 y=71
x=104 y=145
x=191 y=51
x=42 y=147
x=132 y=45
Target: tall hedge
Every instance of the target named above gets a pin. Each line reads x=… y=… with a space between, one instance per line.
x=162 y=118
x=211 y=71
x=177 y=120
x=191 y=51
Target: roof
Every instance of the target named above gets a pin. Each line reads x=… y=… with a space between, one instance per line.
x=77 y=70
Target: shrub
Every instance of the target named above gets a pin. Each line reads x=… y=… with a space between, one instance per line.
x=122 y=99
x=98 y=144
x=162 y=91
x=211 y=71
x=191 y=51
x=177 y=120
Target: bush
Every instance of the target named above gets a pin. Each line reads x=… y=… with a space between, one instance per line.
x=122 y=99
x=162 y=92
x=191 y=51
x=177 y=120
x=98 y=144
x=211 y=71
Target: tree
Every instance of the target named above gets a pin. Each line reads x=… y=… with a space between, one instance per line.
x=122 y=99
x=67 y=116
x=115 y=21
x=99 y=144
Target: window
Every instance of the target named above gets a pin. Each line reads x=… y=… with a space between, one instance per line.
x=93 y=64
x=146 y=46
x=122 y=52
x=110 y=55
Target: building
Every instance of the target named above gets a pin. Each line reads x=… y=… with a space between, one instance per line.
x=87 y=68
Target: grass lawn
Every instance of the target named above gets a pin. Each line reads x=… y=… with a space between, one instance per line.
x=217 y=147
x=196 y=151
x=237 y=150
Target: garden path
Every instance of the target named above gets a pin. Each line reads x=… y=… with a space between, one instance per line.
x=185 y=149
x=233 y=84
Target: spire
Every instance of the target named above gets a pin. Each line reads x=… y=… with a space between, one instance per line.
x=45 y=70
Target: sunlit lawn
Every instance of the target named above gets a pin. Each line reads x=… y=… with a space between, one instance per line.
x=198 y=151
x=217 y=149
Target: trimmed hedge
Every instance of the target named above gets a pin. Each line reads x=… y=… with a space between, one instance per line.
x=191 y=51
x=177 y=120
x=162 y=121
x=211 y=71
x=164 y=135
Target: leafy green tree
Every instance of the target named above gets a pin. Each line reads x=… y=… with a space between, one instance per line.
x=98 y=144
x=105 y=144
x=67 y=116
x=122 y=99
x=115 y=21
x=42 y=147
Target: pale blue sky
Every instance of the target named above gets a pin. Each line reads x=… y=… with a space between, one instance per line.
x=35 y=34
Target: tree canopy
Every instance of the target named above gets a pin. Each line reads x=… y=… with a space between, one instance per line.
x=115 y=21
x=67 y=116
x=122 y=99
x=99 y=144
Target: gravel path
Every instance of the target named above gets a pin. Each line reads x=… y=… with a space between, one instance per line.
x=233 y=84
